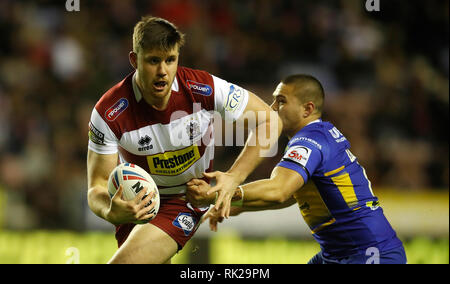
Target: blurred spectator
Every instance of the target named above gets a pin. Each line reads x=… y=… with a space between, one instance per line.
x=385 y=73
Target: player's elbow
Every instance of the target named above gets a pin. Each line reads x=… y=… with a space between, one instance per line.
x=283 y=198
x=92 y=192
x=278 y=197
x=276 y=190
x=91 y=196
x=98 y=201
x=279 y=200
x=95 y=193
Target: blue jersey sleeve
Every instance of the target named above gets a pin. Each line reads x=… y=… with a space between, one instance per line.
x=303 y=158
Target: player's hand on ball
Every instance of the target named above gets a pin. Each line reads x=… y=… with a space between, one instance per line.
x=136 y=210
x=196 y=193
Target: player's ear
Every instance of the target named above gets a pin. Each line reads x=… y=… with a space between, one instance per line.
x=133 y=59
x=309 y=108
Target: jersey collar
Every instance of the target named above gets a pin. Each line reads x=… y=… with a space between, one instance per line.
x=314 y=121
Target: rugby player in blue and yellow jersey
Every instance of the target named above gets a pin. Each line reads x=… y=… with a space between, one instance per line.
x=319 y=172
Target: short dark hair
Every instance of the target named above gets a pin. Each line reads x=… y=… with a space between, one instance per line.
x=307 y=88
x=152 y=32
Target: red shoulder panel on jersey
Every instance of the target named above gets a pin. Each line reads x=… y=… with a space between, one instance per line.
x=120 y=110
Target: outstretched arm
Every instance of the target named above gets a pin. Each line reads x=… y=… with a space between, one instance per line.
x=258 y=195
x=273 y=193
x=264 y=136
x=215 y=218
x=276 y=190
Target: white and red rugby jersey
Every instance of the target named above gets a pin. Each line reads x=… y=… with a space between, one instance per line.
x=174 y=145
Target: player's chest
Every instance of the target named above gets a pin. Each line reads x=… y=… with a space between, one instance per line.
x=182 y=131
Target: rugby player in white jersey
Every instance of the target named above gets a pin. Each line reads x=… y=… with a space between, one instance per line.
x=134 y=122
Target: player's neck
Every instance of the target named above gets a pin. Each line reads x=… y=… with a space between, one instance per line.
x=302 y=124
x=157 y=103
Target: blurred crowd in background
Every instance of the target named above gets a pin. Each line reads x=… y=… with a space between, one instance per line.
x=385 y=74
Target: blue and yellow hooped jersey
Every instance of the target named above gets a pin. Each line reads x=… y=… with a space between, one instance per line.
x=337 y=201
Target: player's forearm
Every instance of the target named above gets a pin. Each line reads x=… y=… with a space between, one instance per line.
x=263 y=194
x=259 y=205
x=260 y=143
x=246 y=162
x=99 y=201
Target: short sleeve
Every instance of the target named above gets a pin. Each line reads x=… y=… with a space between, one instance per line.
x=230 y=100
x=302 y=158
x=101 y=138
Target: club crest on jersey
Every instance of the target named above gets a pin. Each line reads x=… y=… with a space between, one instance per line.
x=199 y=88
x=185 y=222
x=113 y=112
x=193 y=130
x=298 y=154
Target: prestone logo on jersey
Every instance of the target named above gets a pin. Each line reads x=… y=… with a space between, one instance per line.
x=174 y=162
x=298 y=154
x=185 y=222
x=199 y=88
x=113 y=112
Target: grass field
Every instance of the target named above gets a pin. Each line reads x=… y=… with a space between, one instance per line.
x=59 y=247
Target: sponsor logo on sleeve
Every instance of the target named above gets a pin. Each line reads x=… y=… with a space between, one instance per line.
x=95 y=135
x=234 y=99
x=113 y=112
x=298 y=154
x=199 y=88
x=185 y=222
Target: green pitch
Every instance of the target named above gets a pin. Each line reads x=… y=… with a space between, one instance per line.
x=68 y=247
x=228 y=249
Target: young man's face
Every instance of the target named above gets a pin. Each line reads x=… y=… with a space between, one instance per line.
x=156 y=71
x=288 y=107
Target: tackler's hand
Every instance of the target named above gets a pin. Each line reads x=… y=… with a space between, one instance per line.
x=197 y=195
x=226 y=184
x=214 y=218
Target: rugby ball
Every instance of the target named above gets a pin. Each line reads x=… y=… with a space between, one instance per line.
x=134 y=179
